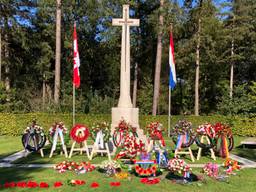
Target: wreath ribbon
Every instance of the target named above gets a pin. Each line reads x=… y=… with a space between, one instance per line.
x=55 y=138
x=100 y=139
x=181 y=139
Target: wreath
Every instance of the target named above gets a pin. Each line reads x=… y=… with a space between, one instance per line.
x=52 y=131
x=33 y=138
x=183 y=128
x=205 y=130
x=146 y=169
x=223 y=138
x=104 y=127
x=79 y=133
x=154 y=131
x=131 y=148
x=121 y=132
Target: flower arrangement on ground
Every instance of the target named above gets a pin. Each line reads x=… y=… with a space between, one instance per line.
x=110 y=167
x=131 y=148
x=104 y=127
x=145 y=166
x=79 y=168
x=179 y=166
x=211 y=169
x=231 y=166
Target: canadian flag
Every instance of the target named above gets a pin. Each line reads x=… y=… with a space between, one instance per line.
x=76 y=61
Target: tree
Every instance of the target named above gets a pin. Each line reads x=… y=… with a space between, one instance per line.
x=57 y=53
x=158 y=59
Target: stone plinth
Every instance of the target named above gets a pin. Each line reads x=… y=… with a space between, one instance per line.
x=130 y=115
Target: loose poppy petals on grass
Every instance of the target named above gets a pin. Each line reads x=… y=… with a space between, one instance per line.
x=95 y=185
x=115 y=184
x=150 y=181
x=57 y=184
x=43 y=185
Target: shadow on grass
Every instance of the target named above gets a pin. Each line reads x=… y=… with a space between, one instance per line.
x=247 y=151
x=180 y=179
x=3 y=155
x=15 y=175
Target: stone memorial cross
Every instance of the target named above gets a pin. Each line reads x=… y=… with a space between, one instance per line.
x=125 y=22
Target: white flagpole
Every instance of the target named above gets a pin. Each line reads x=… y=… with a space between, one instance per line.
x=169 y=113
x=74 y=104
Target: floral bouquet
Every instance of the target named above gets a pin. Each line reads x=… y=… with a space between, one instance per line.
x=110 y=167
x=231 y=166
x=211 y=169
x=179 y=166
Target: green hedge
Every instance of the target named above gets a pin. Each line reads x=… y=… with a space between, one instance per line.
x=14 y=124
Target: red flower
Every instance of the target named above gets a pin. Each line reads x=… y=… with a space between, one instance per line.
x=43 y=185
x=150 y=181
x=79 y=182
x=9 y=185
x=94 y=185
x=32 y=184
x=57 y=184
x=21 y=184
x=115 y=184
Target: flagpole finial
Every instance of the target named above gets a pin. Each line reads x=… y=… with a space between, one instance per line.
x=171 y=26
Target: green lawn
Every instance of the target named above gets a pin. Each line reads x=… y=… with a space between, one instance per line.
x=9 y=145
x=243 y=181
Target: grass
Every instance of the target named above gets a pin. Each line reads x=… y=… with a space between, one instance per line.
x=9 y=145
x=233 y=184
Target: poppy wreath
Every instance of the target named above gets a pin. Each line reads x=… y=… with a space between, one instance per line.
x=223 y=132
x=79 y=133
x=205 y=130
x=154 y=130
x=104 y=127
x=183 y=127
x=121 y=132
x=131 y=148
x=53 y=129
x=35 y=134
x=149 y=171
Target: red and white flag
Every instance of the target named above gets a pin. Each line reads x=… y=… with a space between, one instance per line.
x=76 y=61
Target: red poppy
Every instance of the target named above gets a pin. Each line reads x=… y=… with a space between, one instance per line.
x=57 y=184
x=79 y=182
x=32 y=184
x=115 y=184
x=9 y=185
x=94 y=185
x=43 y=185
x=21 y=184
x=150 y=181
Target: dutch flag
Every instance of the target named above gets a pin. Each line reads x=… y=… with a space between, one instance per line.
x=172 y=79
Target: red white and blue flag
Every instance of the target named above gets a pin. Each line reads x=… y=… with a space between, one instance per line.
x=172 y=78
x=76 y=61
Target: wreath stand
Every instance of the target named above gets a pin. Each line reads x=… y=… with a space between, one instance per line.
x=100 y=146
x=184 y=152
x=58 y=135
x=203 y=138
x=83 y=147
